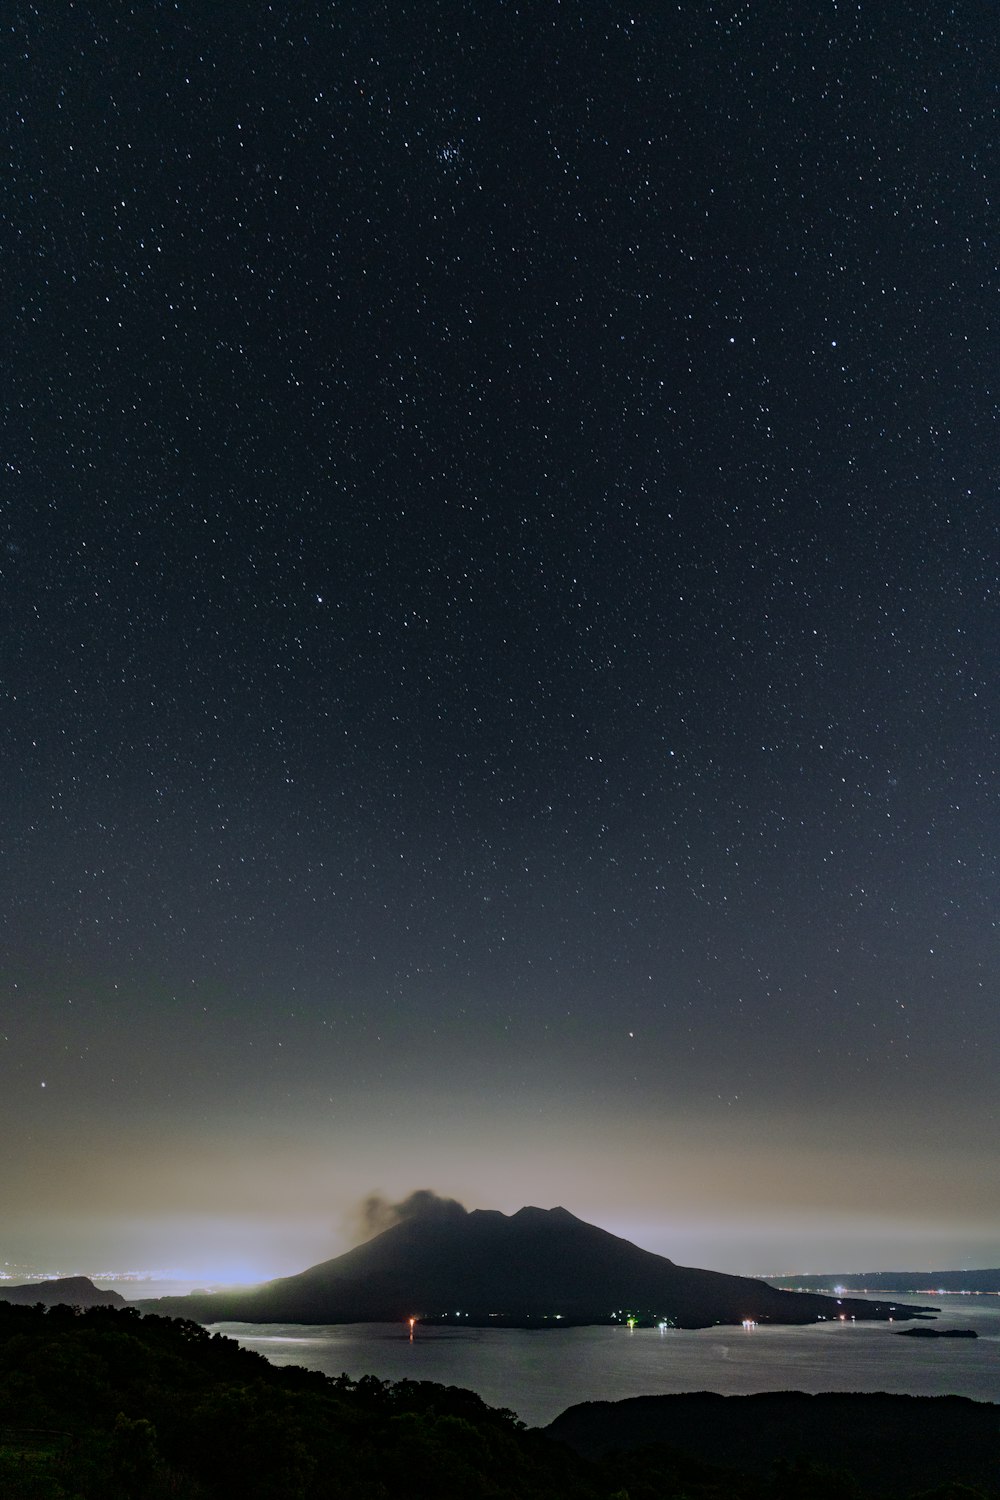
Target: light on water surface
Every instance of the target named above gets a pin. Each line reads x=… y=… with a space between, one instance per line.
x=538 y=1373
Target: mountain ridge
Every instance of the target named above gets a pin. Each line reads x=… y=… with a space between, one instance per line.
x=986 y=1279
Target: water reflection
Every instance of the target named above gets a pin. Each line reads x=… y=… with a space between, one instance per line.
x=540 y=1373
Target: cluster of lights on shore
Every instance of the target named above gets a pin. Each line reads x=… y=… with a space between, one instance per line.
x=630 y=1319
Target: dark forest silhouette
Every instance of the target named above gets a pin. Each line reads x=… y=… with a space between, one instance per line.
x=104 y=1404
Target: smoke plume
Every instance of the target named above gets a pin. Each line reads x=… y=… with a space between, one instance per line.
x=376 y=1213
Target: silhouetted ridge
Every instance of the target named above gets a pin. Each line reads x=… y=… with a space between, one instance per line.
x=534 y=1267
x=69 y=1291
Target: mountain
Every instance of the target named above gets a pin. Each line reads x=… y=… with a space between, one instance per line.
x=536 y=1267
x=71 y=1291
x=925 y=1282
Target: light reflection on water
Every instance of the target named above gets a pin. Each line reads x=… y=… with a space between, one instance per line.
x=539 y=1373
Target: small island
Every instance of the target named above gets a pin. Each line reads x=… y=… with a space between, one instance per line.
x=937 y=1333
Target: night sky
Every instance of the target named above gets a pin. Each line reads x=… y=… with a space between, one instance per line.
x=499 y=639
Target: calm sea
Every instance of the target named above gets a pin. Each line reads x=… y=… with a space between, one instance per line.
x=539 y=1374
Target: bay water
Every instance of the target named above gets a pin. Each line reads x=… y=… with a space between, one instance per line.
x=538 y=1373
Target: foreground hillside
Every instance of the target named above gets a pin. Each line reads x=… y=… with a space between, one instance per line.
x=892 y=1444
x=104 y=1404
x=524 y=1269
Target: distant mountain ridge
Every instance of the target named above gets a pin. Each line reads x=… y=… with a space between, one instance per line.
x=537 y=1267
x=987 y=1280
x=71 y=1291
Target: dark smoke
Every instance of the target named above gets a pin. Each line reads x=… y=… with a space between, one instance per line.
x=377 y=1213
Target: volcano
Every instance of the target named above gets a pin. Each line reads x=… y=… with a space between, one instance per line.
x=537 y=1267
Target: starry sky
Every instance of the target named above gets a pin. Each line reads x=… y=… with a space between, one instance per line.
x=499 y=634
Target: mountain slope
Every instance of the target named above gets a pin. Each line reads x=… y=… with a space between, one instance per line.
x=536 y=1265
